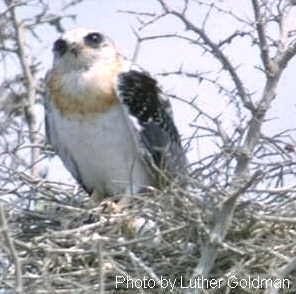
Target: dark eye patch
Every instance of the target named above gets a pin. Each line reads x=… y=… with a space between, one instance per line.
x=93 y=39
x=60 y=46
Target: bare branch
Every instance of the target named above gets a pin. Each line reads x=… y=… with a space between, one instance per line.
x=237 y=213
x=287 y=55
x=13 y=252
x=276 y=219
x=30 y=83
x=260 y=26
x=281 y=273
x=217 y=52
x=101 y=268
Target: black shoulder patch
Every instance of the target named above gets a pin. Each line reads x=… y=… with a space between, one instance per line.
x=141 y=94
x=144 y=100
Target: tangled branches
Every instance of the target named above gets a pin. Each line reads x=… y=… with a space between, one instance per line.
x=234 y=221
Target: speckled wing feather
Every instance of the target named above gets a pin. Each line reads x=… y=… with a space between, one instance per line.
x=146 y=104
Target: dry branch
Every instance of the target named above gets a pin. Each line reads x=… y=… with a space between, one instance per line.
x=236 y=216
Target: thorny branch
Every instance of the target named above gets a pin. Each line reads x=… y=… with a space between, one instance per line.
x=8 y=241
x=260 y=27
x=253 y=132
x=30 y=82
x=238 y=215
x=216 y=51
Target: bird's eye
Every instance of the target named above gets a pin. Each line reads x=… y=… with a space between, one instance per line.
x=60 y=46
x=93 y=39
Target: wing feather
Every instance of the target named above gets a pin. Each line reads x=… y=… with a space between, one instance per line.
x=146 y=104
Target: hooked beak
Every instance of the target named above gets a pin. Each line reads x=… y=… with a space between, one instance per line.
x=75 y=49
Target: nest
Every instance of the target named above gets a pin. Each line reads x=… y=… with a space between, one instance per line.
x=138 y=244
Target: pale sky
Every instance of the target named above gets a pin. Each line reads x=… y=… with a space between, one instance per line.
x=162 y=55
x=157 y=56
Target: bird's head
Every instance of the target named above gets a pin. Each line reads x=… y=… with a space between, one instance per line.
x=81 y=48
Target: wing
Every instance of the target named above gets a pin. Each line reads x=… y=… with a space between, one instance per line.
x=146 y=106
x=53 y=139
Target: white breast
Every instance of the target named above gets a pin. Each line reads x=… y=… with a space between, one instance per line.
x=104 y=150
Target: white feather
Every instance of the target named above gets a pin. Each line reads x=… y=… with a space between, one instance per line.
x=101 y=147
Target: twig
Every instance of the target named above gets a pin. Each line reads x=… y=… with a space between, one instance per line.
x=10 y=244
x=260 y=26
x=216 y=51
x=140 y=263
x=276 y=219
x=30 y=84
x=101 y=267
x=282 y=272
x=77 y=230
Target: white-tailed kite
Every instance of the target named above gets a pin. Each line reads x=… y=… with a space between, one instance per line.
x=112 y=127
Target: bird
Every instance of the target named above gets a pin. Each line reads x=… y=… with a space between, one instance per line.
x=110 y=124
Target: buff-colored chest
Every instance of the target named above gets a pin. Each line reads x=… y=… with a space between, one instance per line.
x=83 y=91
